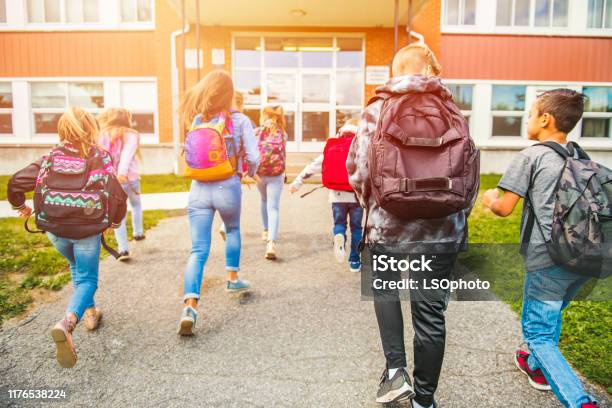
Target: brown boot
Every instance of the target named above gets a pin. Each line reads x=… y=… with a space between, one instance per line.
x=92 y=318
x=62 y=336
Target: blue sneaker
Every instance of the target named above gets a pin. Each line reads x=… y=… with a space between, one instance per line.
x=355 y=267
x=188 y=321
x=237 y=286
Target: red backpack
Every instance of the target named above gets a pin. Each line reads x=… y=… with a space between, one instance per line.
x=334 y=173
x=422 y=161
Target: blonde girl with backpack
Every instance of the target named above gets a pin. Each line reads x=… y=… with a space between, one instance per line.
x=76 y=198
x=216 y=137
x=272 y=140
x=123 y=142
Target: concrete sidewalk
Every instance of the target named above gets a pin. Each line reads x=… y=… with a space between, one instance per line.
x=302 y=338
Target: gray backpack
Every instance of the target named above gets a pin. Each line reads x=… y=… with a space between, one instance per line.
x=581 y=238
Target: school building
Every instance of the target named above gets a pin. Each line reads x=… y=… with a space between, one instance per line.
x=320 y=59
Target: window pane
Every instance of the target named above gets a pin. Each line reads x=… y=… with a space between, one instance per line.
x=6 y=123
x=52 y=11
x=48 y=95
x=462 y=95
x=281 y=88
x=316 y=52
x=342 y=115
x=74 y=11
x=86 y=95
x=452 y=12
x=315 y=88
x=46 y=122
x=349 y=88
x=315 y=126
x=350 y=52
x=253 y=114
x=144 y=10
x=608 y=14
x=595 y=13
x=508 y=98
x=469 y=12
x=290 y=119
x=596 y=127
x=144 y=122
x=91 y=11
x=6 y=95
x=248 y=52
x=521 y=12
x=542 y=13
x=249 y=83
x=128 y=11
x=560 y=12
x=36 y=11
x=281 y=52
x=599 y=99
x=139 y=95
x=2 y=11
x=507 y=126
x=504 y=12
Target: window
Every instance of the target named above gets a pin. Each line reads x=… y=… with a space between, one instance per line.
x=460 y=12
x=6 y=109
x=50 y=99
x=136 y=11
x=140 y=98
x=462 y=95
x=532 y=13
x=508 y=110
x=2 y=11
x=63 y=11
x=247 y=79
x=600 y=14
x=597 y=118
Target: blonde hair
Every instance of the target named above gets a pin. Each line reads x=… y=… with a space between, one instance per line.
x=413 y=59
x=352 y=121
x=117 y=122
x=238 y=101
x=209 y=97
x=277 y=115
x=78 y=128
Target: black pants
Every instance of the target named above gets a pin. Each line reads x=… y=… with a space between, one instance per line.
x=427 y=309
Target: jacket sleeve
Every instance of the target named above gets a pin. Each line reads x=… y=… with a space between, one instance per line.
x=312 y=168
x=249 y=142
x=22 y=182
x=130 y=146
x=357 y=161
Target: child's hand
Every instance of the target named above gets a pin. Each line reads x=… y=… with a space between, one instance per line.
x=293 y=189
x=490 y=196
x=122 y=179
x=25 y=212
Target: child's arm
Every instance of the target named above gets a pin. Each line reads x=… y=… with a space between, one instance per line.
x=22 y=182
x=502 y=206
x=312 y=168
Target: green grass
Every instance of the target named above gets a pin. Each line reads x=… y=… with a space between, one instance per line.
x=28 y=261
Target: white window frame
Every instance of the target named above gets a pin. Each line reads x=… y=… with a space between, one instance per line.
x=145 y=138
x=4 y=111
x=461 y=14
x=299 y=145
x=468 y=113
x=509 y=114
x=5 y=14
x=136 y=24
x=603 y=18
x=596 y=115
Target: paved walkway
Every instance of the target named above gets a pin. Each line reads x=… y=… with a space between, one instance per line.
x=303 y=338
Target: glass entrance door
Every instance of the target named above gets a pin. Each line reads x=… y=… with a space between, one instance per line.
x=314 y=109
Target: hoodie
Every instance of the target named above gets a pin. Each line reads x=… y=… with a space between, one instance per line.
x=383 y=227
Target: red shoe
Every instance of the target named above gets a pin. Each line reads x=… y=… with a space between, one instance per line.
x=536 y=378
x=589 y=405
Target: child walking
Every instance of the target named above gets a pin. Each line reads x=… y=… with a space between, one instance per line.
x=548 y=288
x=212 y=152
x=343 y=200
x=272 y=139
x=76 y=198
x=122 y=142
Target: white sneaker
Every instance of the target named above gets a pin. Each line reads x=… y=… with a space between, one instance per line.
x=271 y=250
x=339 y=251
x=264 y=236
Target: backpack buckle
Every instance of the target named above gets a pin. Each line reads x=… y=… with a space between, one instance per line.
x=450 y=183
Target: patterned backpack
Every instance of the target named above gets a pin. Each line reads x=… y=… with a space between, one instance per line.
x=75 y=197
x=581 y=238
x=272 y=151
x=209 y=150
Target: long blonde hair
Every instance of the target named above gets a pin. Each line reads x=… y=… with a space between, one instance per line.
x=274 y=115
x=117 y=122
x=78 y=128
x=209 y=97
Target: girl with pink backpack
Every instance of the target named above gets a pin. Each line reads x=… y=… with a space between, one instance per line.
x=272 y=140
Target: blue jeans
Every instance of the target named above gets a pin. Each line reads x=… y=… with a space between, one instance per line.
x=83 y=255
x=132 y=188
x=270 y=189
x=341 y=211
x=546 y=293
x=204 y=199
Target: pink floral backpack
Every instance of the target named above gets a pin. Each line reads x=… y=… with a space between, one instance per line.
x=272 y=151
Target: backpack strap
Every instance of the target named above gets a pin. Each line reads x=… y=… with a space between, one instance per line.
x=558 y=148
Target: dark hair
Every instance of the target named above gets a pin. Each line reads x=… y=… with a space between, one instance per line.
x=565 y=105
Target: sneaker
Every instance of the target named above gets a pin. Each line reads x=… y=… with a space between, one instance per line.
x=264 y=236
x=139 y=237
x=395 y=389
x=92 y=318
x=339 y=251
x=188 y=321
x=124 y=256
x=536 y=378
x=62 y=336
x=271 y=250
x=355 y=267
x=238 y=285
x=222 y=232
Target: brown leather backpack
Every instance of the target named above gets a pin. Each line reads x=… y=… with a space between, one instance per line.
x=422 y=161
